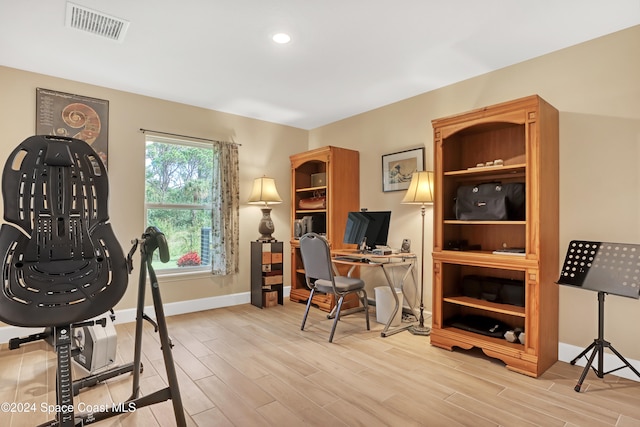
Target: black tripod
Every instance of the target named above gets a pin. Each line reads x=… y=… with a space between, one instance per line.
x=598 y=345
x=151 y=240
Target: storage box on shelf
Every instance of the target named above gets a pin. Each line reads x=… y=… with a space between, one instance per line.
x=523 y=136
x=337 y=169
x=269 y=298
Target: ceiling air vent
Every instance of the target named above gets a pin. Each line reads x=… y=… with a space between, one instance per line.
x=94 y=22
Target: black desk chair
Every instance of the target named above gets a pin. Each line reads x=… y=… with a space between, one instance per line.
x=62 y=264
x=318 y=270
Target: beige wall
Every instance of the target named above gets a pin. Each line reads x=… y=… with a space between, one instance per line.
x=596 y=88
x=265 y=150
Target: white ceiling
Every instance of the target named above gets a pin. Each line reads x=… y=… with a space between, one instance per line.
x=346 y=56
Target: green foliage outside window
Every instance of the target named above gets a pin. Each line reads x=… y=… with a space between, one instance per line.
x=179 y=196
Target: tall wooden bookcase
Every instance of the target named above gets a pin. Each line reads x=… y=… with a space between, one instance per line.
x=341 y=187
x=523 y=134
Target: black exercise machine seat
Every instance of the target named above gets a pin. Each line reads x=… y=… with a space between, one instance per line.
x=61 y=262
x=62 y=265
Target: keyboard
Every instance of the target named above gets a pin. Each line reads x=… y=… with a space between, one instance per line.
x=350 y=258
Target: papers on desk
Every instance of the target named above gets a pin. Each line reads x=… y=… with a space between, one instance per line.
x=381 y=251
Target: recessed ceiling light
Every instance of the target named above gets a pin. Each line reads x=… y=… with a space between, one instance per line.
x=282 y=38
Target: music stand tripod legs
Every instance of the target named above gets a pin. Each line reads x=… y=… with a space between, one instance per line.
x=598 y=345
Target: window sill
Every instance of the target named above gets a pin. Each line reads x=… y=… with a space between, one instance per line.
x=174 y=276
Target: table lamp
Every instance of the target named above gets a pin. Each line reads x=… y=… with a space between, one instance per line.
x=264 y=192
x=420 y=192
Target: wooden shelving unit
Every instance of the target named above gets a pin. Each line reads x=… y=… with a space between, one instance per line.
x=342 y=193
x=524 y=134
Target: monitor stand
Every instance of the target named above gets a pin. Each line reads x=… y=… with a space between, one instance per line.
x=362 y=247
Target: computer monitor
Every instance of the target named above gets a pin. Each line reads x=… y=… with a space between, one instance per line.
x=377 y=229
x=356 y=228
x=367 y=229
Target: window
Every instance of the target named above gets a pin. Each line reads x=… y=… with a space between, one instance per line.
x=178 y=200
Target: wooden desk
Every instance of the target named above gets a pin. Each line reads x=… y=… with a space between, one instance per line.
x=387 y=263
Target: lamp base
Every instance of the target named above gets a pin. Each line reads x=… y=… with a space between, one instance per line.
x=266 y=228
x=420 y=330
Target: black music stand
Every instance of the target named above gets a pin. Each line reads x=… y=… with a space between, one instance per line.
x=607 y=268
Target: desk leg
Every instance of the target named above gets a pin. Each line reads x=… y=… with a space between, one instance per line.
x=415 y=285
x=337 y=273
x=386 y=332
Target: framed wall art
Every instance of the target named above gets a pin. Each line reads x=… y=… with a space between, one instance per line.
x=75 y=116
x=397 y=168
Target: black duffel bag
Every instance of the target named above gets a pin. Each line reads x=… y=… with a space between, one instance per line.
x=491 y=201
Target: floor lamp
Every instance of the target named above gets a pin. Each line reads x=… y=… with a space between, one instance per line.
x=420 y=192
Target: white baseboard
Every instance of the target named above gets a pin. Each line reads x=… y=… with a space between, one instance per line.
x=183 y=307
x=566 y=352
x=170 y=309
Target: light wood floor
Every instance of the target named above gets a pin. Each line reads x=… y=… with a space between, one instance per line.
x=242 y=366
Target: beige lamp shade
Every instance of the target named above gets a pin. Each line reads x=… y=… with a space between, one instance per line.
x=264 y=192
x=420 y=189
